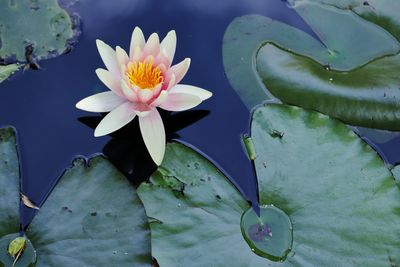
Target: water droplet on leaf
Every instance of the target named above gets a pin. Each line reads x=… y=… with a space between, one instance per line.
x=269 y=235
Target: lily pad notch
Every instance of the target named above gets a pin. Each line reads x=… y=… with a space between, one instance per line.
x=93 y=216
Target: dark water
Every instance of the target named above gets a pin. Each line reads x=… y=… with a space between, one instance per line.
x=51 y=131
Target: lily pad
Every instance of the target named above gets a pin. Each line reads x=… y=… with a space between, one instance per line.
x=341 y=198
x=384 y=13
x=93 y=217
x=7 y=70
x=9 y=183
x=39 y=29
x=200 y=225
x=351 y=78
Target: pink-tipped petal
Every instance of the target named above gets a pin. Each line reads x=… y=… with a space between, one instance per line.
x=122 y=56
x=145 y=95
x=152 y=47
x=128 y=92
x=153 y=133
x=116 y=119
x=168 y=45
x=191 y=90
x=110 y=80
x=108 y=56
x=180 y=102
x=137 y=42
x=102 y=102
x=162 y=97
x=180 y=69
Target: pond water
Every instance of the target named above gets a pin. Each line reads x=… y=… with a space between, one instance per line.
x=51 y=131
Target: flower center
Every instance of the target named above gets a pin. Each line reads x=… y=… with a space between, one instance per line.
x=144 y=74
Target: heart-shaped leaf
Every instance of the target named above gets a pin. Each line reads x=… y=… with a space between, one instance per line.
x=341 y=198
x=93 y=217
x=353 y=78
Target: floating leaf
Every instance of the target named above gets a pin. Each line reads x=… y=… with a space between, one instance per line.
x=93 y=217
x=24 y=254
x=384 y=13
x=341 y=198
x=33 y=29
x=7 y=70
x=199 y=226
x=353 y=79
x=9 y=183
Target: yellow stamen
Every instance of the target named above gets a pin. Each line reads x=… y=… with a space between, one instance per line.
x=144 y=74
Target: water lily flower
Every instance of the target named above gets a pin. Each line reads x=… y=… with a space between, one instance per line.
x=139 y=83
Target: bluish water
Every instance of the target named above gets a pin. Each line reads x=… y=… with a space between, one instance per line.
x=51 y=131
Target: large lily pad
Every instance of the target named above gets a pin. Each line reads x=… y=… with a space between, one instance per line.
x=343 y=201
x=311 y=73
x=195 y=213
x=339 y=195
x=38 y=29
x=384 y=13
x=93 y=217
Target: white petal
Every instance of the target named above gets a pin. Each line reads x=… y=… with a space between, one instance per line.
x=145 y=95
x=116 y=119
x=136 y=54
x=180 y=69
x=142 y=113
x=102 y=102
x=152 y=46
x=162 y=97
x=171 y=82
x=137 y=40
x=168 y=45
x=153 y=133
x=122 y=56
x=191 y=90
x=180 y=102
x=110 y=80
x=128 y=92
x=108 y=56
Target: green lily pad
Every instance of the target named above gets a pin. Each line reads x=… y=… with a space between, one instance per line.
x=353 y=79
x=7 y=70
x=9 y=183
x=29 y=253
x=368 y=96
x=93 y=217
x=341 y=198
x=42 y=24
x=384 y=13
x=200 y=225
